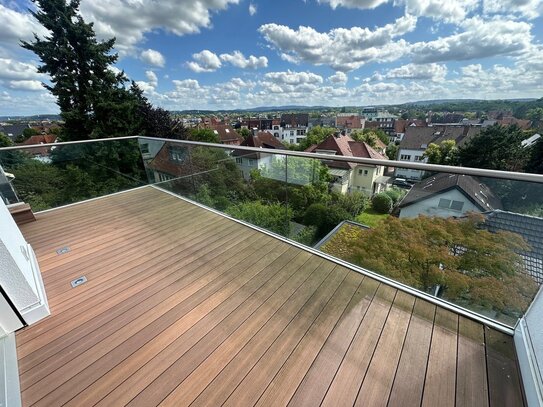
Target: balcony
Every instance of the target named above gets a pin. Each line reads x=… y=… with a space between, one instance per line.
x=184 y=305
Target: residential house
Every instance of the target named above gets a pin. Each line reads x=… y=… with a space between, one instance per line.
x=348 y=122
x=529 y=227
x=400 y=125
x=448 y=195
x=294 y=127
x=43 y=152
x=323 y=121
x=350 y=177
x=171 y=162
x=510 y=121
x=13 y=130
x=247 y=162
x=227 y=134
x=416 y=141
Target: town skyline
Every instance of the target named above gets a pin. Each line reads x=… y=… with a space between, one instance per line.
x=236 y=54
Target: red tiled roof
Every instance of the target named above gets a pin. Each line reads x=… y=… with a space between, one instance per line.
x=40 y=139
x=263 y=139
x=346 y=146
x=227 y=134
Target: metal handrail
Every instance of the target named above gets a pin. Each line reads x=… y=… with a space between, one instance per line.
x=478 y=172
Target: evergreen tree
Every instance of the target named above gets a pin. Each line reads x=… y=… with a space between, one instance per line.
x=90 y=95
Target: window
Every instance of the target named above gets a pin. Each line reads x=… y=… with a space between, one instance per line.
x=457 y=205
x=365 y=172
x=239 y=160
x=444 y=203
x=252 y=161
x=448 y=204
x=418 y=158
x=144 y=148
x=292 y=132
x=164 y=177
x=177 y=154
x=405 y=157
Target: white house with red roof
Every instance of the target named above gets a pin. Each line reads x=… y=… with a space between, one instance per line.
x=348 y=176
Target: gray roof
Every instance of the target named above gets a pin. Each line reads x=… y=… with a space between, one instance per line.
x=530 y=228
x=471 y=187
x=418 y=138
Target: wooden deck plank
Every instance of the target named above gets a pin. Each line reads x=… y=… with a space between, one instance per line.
x=471 y=380
x=180 y=369
x=199 y=379
x=350 y=375
x=106 y=321
x=277 y=362
x=271 y=341
x=288 y=379
x=237 y=308
x=440 y=383
x=141 y=278
x=214 y=312
x=379 y=378
x=503 y=376
x=409 y=381
x=173 y=313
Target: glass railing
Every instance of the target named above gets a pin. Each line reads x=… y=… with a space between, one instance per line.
x=51 y=175
x=469 y=240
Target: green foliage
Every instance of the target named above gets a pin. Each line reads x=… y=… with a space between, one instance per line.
x=244 y=132
x=203 y=135
x=273 y=217
x=371 y=218
x=325 y=218
x=495 y=148
x=535 y=114
x=5 y=141
x=445 y=153
x=79 y=67
x=352 y=203
x=396 y=194
x=474 y=267
x=382 y=203
x=316 y=135
x=29 y=132
x=535 y=163
x=392 y=151
x=296 y=170
x=306 y=236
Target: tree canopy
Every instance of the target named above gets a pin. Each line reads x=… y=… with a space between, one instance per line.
x=471 y=265
x=496 y=148
x=445 y=153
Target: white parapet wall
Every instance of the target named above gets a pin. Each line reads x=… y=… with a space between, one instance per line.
x=20 y=278
x=529 y=345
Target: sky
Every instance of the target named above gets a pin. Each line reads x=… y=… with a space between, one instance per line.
x=226 y=54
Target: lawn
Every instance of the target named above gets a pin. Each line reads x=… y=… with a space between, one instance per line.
x=370 y=218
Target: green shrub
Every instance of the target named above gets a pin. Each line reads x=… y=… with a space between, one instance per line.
x=382 y=203
x=396 y=194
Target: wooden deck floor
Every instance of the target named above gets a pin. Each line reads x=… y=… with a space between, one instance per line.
x=183 y=306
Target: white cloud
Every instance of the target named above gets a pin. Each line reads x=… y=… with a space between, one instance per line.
x=26 y=85
x=343 y=49
x=338 y=77
x=362 y=4
x=448 y=11
x=525 y=8
x=480 y=39
x=252 y=9
x=152 y=78
x=130 y=20
x=15 y=70
x=153 y=57
x=433 y=72
x=237 y=59
x=293 y=78
x=204 y=61
x=16 y=26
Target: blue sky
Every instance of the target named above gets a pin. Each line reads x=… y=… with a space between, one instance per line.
x=215 y=54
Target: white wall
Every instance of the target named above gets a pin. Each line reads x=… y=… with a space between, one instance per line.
x=15 y=262
x=405 y=172
x=534 y=322
x=429 y=206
